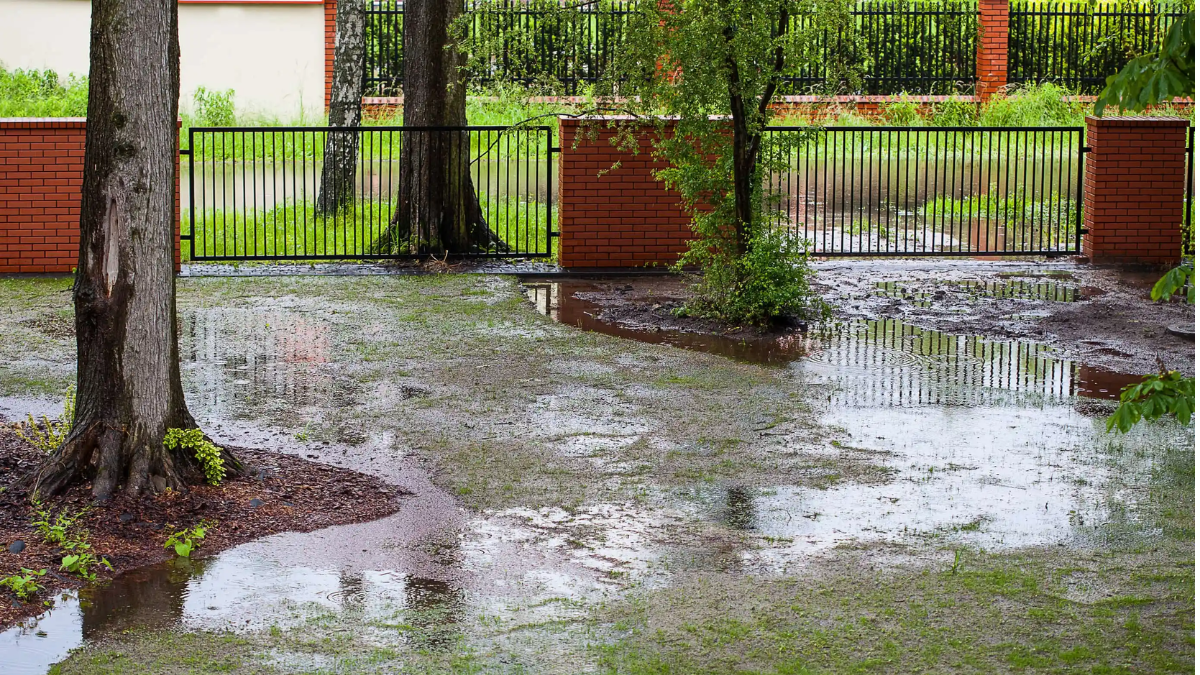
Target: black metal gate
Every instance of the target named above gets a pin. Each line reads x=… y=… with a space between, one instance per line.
x=943 y=191
x=253 y=193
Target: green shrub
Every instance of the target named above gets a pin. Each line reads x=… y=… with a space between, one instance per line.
x=1040 y=105
x=207 y=454
x=214 y=108
x=903 y=113
x=48 y=435
x=770 y=282
x=41 y=93
x=55 y=529
x=954 y=113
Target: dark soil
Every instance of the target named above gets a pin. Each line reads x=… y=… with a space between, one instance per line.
x=288 y=493
x=1102 y=317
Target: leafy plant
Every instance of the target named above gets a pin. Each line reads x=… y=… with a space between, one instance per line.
x=188 y=539
x=1150 y=79
x=903 y=113
x=49 y=435
x=24 y=584
x=80 y=559
x=1167 y=392
x=1045 y=104
x=42 y=93
x=206 y=453
x=55 y=529
x=214 y=108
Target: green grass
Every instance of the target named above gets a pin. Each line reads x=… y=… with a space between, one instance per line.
x=42 y=93
x=297 y=229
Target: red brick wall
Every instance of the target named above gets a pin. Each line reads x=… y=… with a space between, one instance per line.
x=621 y=217
x=1134 y=188
x=991 y=53
x=41 y=182
x=330 y=37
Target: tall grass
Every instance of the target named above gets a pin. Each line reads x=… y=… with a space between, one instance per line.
x=42 y=93
x=297 y=229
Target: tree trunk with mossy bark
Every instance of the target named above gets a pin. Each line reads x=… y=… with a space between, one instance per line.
x=438 y=211
x=128 y=386
x=345 y=109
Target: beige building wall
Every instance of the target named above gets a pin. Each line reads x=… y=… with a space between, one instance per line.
x=272 y=54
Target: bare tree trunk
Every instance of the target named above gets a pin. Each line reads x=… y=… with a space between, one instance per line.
x=129 y=391
x=438 y=210
x=345 y=108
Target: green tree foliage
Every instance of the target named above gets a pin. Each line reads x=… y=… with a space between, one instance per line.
x=1159 y=76
x=1167 y=393
x=705 y=73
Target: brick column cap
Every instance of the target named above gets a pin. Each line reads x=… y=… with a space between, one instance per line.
x=43 y=122
x=1137 y=121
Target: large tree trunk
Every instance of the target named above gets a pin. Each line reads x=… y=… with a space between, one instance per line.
x=438 y=210
x=345 y=108
x=129 y=391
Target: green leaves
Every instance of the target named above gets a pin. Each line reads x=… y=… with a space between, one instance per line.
x=1167 y=393
x=25 y=584
x=188 y=539
x=206 y=453
x=1153 y=78
x=1172 y=282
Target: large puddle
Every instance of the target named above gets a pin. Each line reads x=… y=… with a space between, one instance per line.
x=979 y=443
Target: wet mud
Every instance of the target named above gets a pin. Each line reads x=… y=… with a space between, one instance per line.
x=633 y=496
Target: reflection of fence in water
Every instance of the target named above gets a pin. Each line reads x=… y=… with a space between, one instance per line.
x=891 y=363
x=251 y=359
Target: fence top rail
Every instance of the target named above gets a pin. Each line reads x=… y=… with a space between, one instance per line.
x=930 y=129
x=271 y=129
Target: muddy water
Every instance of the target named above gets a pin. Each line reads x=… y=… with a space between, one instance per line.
x=984 y=443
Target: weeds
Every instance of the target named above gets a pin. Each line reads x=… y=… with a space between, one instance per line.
x=188 y=539
x=24 y=584
x=80 y=559
x=49 y=436
x=206 y=453
x=55 y=529
x=41 y=93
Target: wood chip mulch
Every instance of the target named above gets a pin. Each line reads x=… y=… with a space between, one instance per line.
x=278 y=493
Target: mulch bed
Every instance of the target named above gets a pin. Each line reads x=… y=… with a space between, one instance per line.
x=278 y=493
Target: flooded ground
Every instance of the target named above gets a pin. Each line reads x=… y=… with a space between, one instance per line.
x=625 y=499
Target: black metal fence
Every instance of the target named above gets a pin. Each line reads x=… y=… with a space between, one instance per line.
x=887 y=191
x=258 y=193
x=914 y=46
x=1079 y=44
x=902 y=46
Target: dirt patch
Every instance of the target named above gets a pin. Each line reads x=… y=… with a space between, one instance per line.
x=1099 y=316
x=279 y=493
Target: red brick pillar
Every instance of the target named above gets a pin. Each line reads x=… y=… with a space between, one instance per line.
x=622 y=217
x=330 y=37
x=991 y=53
x=1133 y=189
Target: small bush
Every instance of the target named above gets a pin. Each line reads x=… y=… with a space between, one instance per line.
x=954 y=113
x=41 y=93
x=770 y=282
x=214 y=108
x=903 y=113
x=1040 y=105
x=207 y=454
x=48 y=436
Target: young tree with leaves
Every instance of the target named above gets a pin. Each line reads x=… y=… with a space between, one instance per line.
x=128 y=386
x=706 y=72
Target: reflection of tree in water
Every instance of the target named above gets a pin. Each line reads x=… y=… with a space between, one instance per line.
x=254 y=364
x=739 y=505
x=150 y=597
